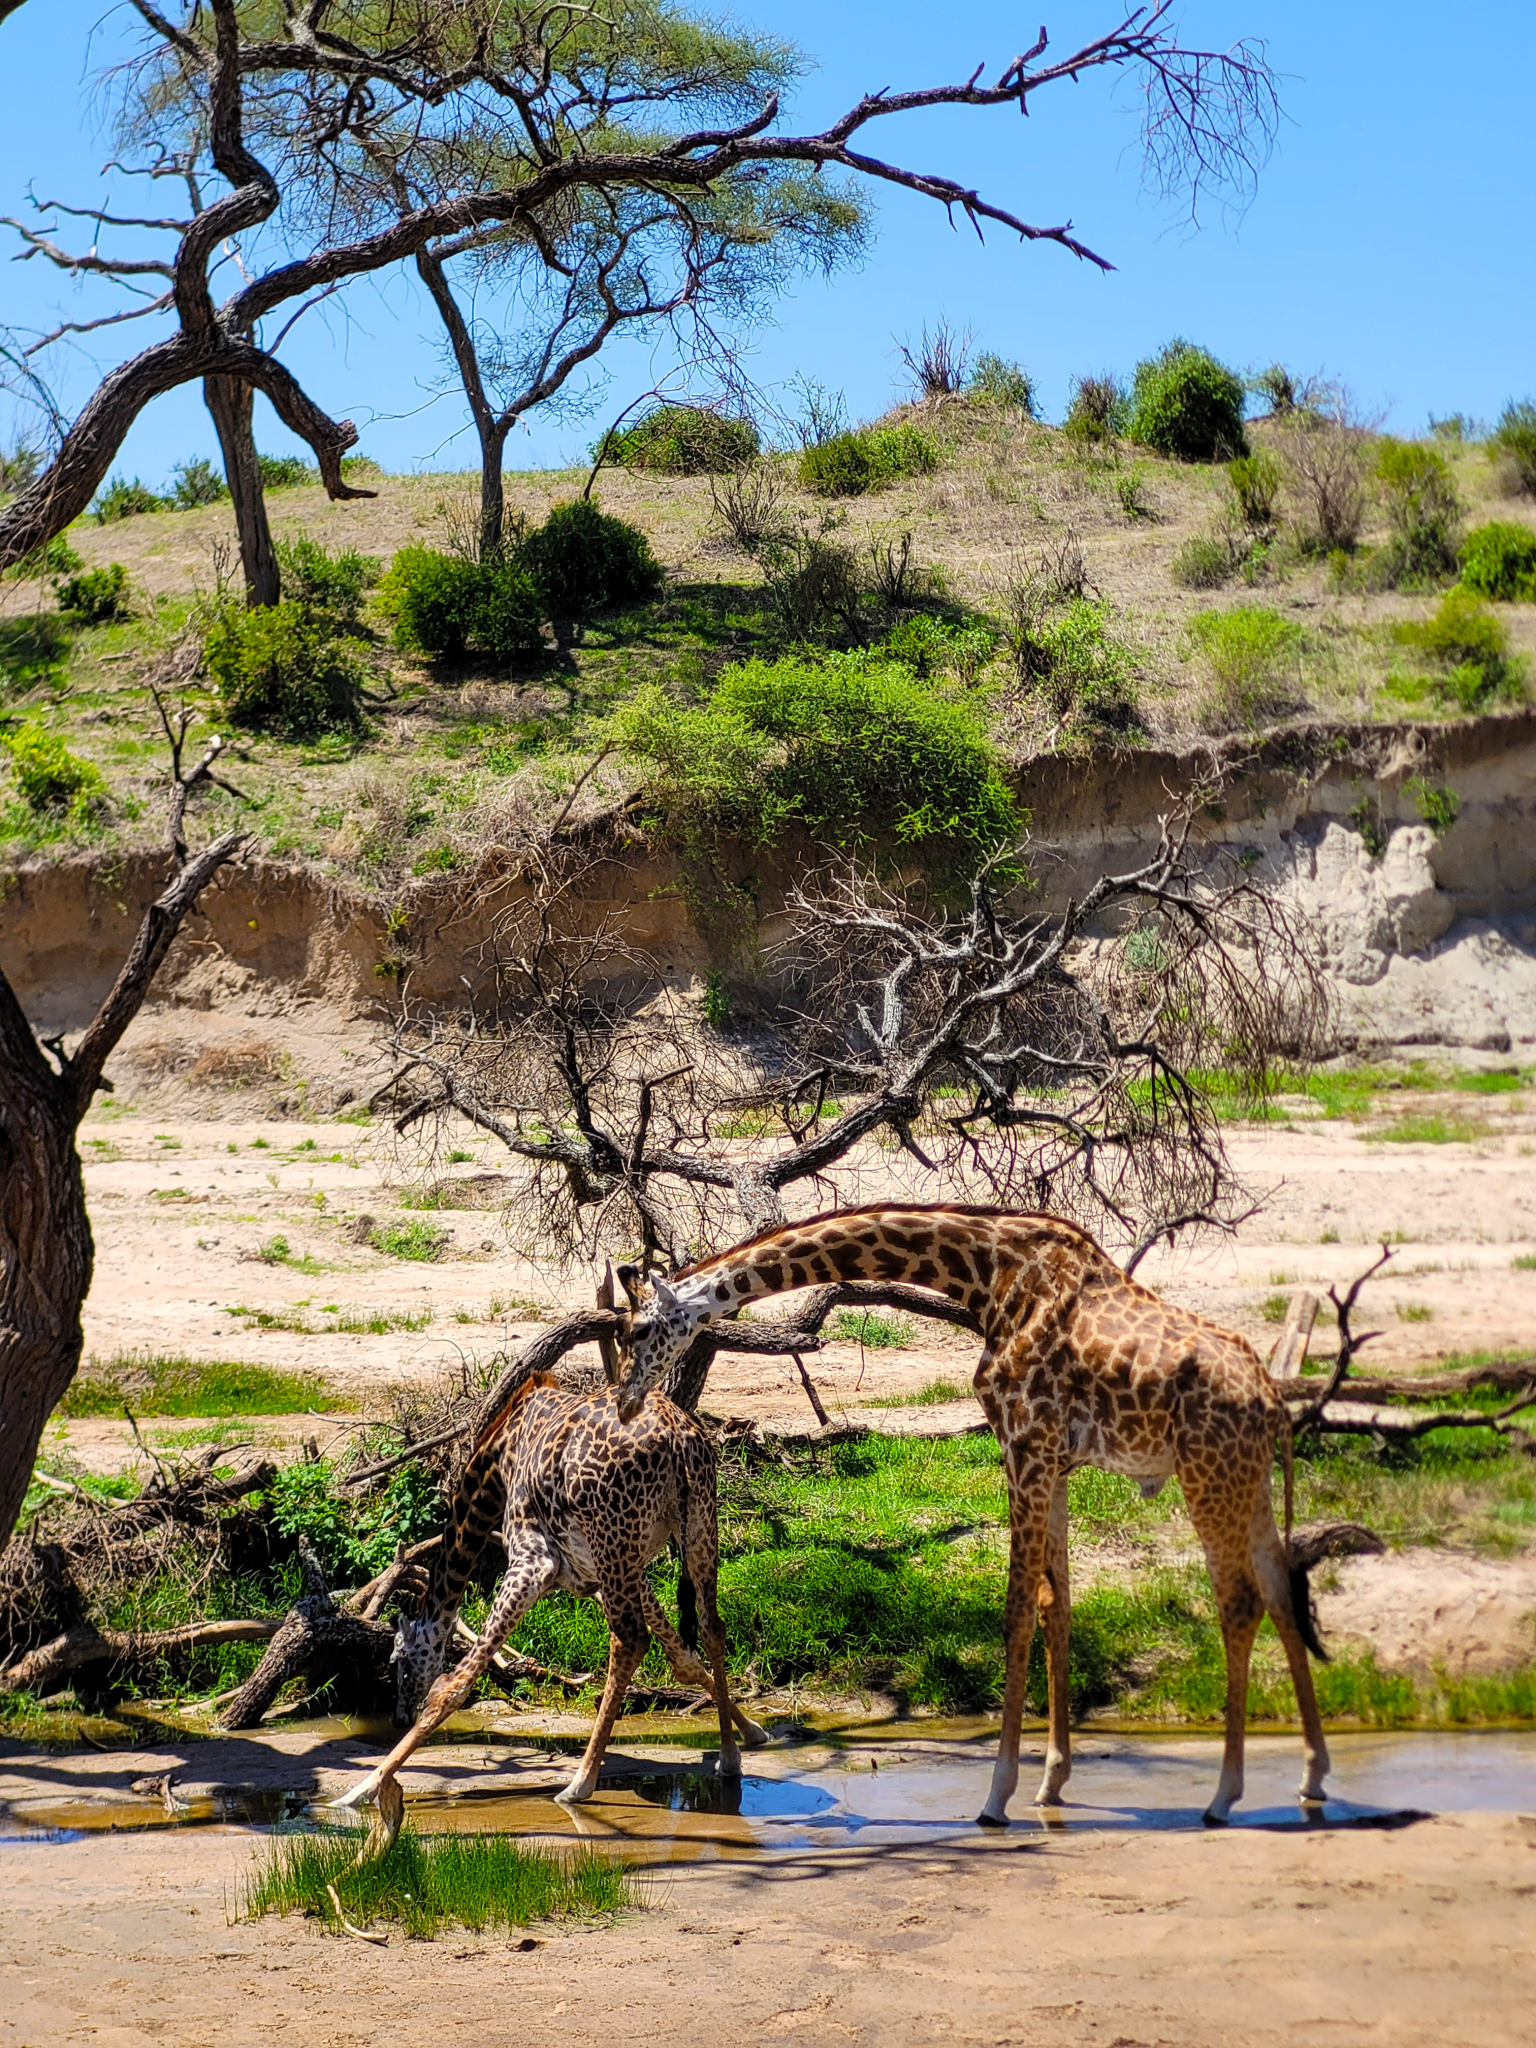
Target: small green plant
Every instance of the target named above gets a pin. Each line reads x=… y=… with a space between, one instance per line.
x=196 y=482
x=1437 y=805
x=444 y=604
x=1250 y=655
x=96 y=596
x=866 y=459
x=328 y=584
x=124 y=498
x=1098 y=413
x=715 y=1005
x=874 y=1331
x=1514 y=438
x=378 y=1322
x=1414 y=1312
x=812 y=582
x=1082 y=674
x=1499 y=561
x=1255 y=481
x=420 y=1241
x=1525 y=1263
x=996 y=381
x=1423 y=509
x=48 y=777
x=1274 y=1307
x=54 y=558
x=1469 y=646
x=284 y=472
x=282 y=669
x=684 y=440
x=584 y=559
x=932 y=1394
x=1202 y=562
x=1430 y=1130
x=1130 y=487
x=1186 y=404
x=1369 y=821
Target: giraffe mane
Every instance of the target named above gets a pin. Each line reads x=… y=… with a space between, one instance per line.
x=875 y=1210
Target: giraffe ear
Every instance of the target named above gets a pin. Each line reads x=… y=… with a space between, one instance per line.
x=605 y=1287
x=666 y=1296
x=629 y=1280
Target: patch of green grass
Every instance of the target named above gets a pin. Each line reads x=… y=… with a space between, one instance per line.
x=1273 y=1307
x=103 y=1151
x=154 y=1383
x=1429 y=1129
x=378 y=1322
x=410 y=1240
x=1525 y=1263
x=1414 y=1312
x=929 y=1395
x=273 y=1319
x=426 y=1884
x=871 y=1329
x=1497 y=1081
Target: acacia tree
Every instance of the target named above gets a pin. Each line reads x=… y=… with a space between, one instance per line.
x=517 y=75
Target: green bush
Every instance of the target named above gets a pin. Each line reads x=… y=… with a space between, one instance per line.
x=33 y=649
x=96 y=596
x=850 y=464
x=1084 y=674
x=848 y=747
x=284 y=670
x=1247 y=653
x=1469 y=647
x=197 y=482
x=54 y=558
x=583 y=559
x=1515 y=439
x=49 y=778
x=1499 y=560
x=124 y=498
x=684 y=440
x=934 y=647
x=1255 y=481
x=283 y=472
x=1184 y=403
x=1201 y=563
x=996 y=381
x=1423 y=510
x=445 y=604
x=1438 y=805
x=1098 y=412
x=325 y=583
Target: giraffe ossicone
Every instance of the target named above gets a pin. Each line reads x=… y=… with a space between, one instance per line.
x=1080 y=1366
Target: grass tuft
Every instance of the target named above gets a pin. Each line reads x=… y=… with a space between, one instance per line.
x=152 y=1383
x=871 y=1329
x=929 y=1395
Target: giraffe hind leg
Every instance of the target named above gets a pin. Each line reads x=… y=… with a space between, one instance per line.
x=1278 y=1585
x=1055 y=1601
x=688 y=1668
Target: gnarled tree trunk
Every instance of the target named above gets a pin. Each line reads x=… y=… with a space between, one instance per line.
x=232 y=403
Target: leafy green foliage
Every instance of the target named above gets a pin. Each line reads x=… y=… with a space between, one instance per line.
x=1423 y=509
x=96 y=596
x=1499 y=561
x=1201 y=563
x=48 y=777
x=847 y=747
x=584 y=559
x=410 y=1240
x=874 y=1331
x=284 y=472
x=54 y=558
x=195 y=482
x=1255 y=481
x=1468 y=645
x=1248 y=654
x=1437 y=805
x=933 y=646
x=685 y=440
x=996 y=381
x=323 y=583
x=153 y=1383
x=450 y=1880
x=1084 y=673
x=354 y=1538
x=1515 y=438
x=1098 y=413
x=283 y=669
x=1186 y=404
x=848 y=465
x=124 y=497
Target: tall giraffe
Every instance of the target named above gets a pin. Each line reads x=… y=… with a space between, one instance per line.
x=1080 y=1366
x=585 y=1501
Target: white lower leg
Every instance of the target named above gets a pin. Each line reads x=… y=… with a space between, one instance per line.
x=1058 y=1768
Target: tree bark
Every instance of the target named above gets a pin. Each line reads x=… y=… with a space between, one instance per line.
x=232 y=403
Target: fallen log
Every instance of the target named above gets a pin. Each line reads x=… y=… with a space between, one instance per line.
x=87 y=1644
x=314 y=1639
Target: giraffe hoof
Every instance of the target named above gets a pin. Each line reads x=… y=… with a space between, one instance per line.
x=1213 y=1819
x=991 y=1820
x=754 y=1737
x=577 y=1793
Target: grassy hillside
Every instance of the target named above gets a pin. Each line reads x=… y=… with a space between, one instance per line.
x=1013 y=508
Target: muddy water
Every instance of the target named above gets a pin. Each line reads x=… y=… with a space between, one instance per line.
x=661 y=1803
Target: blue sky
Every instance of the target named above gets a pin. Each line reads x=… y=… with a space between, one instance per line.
x=1391 y=240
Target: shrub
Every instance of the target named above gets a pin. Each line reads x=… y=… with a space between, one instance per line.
x=931 y=646
x=1255 y=481
x=322 y=582
x=48 y=776
x=32 y=649
x=1184 y=403
x=1470 y=650
x=20 y=465
x=996 y=381
x=938 y=365
x=812 y=583
x=1244 y=652
x=444 y=604
x=747 y=502
x=282 y=472
x=417 y=1240
x=1515 y=438
x=848 y=747
x=1499 y=560
x=583 y=559
x=849 y=464
x=124 y=498
x=197 y=482
x=1423 y=510
x=1098 y=411
x=1438 y=805
x=54 y=558
x=1083 y=674
x=283 y=670
x=1201 y=563
x=684 y=440
x=1328 y=460
x=96 y=596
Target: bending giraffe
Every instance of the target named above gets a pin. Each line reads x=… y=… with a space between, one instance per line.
x=1080 y=1366
x=585 y=1501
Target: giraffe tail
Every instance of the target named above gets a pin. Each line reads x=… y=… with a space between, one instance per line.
x=1298 y=1566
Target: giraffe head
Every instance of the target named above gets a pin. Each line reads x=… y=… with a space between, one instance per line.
x=418 y=1656
x=655 y=1328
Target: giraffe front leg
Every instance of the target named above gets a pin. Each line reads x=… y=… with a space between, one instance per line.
x=628 y=1636
x=1056 y=1612
x=1029 y=1499
x=1241 y=1607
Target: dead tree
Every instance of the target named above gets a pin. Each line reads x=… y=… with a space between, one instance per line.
x=46 y=1252
x=333 y=81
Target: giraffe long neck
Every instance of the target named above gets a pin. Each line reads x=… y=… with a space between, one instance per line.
x=478 y=1502
x=949 y=1250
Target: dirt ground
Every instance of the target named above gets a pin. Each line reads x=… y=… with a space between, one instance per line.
x=1232 y=1939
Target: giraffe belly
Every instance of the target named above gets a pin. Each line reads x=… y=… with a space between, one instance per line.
x=1149 y=1462
x=578 y=1572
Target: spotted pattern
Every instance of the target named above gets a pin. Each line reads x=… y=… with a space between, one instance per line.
x=1080 y=1366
